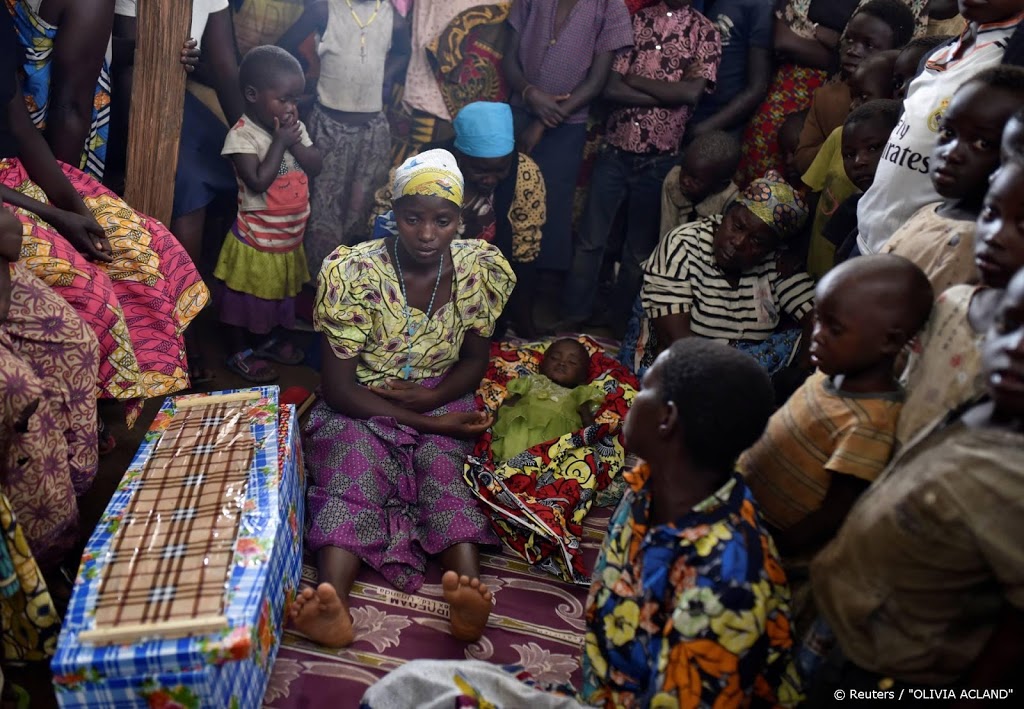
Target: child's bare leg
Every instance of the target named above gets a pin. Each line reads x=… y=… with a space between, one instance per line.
x=468 y=598
x=322 y=614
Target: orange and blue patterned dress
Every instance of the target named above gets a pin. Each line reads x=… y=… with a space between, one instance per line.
x=689 y=614
x=37 y=37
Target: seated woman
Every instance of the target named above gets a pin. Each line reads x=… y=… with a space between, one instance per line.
x=718 y=278
x=504 y=203
x=407 y=322
x=112 y=264
x=48 y=451
x=689 y=605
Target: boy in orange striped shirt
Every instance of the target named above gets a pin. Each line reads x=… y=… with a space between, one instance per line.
x=833 y=437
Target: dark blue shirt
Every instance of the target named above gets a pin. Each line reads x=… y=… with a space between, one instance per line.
x=742 y=24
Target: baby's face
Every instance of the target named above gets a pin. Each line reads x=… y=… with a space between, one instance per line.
x=566 y=363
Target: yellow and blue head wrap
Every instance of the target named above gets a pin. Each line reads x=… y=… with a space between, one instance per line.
x=433 y=173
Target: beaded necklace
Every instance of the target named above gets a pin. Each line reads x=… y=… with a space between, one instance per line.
x=362 y=26
x=410 y=327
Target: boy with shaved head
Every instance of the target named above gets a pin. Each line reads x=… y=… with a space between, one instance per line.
x=826 y=444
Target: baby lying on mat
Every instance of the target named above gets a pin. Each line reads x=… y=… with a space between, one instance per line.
x=541 y=407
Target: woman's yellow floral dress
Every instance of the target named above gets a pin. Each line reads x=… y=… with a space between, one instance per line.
x=689 y=614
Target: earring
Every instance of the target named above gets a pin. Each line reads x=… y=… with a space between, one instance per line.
x=663 y=428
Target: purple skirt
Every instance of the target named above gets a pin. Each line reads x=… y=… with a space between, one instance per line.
x=388 y=493
x=256 y=315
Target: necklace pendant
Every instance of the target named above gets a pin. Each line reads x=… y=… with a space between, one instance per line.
x=407 y=371
x=362 y=46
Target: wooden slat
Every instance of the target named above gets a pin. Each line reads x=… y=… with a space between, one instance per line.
x=184 y=403
x=130 y=634
x=158 y=95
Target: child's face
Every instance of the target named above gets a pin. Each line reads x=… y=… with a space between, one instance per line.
x=864 y=35
x=999 y=234
x=1003 y=352
x=905 y=70
x=1012 y=143
x=426 y=226
x=871 y=80
x=566 y=363
x=970 y=130
x=863 y=143
x=279 y=100
x=989 y=11
x=742 y=241
x=698 y=177
x=849 y=331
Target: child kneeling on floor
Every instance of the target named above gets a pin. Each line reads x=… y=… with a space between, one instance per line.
x=541 y=407
x=262 y=263
x=837 y=432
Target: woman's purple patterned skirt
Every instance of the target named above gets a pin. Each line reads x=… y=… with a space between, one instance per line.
x=388 y=493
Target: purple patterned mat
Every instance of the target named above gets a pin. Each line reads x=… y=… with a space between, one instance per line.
x=537 y=622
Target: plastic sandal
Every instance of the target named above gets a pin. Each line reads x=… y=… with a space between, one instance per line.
x=270 y=350
x=198 y=373
x=106 y=440
x=239 y=364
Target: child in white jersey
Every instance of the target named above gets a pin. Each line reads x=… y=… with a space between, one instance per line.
x=902 y=184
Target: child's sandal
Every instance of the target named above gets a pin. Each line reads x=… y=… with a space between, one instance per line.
x=281 y=351
x=251 y=368
x=105 y=439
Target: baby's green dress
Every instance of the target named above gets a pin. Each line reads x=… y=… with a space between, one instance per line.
x=544 y=411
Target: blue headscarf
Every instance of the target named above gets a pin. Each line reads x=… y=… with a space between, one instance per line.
x=484 y=130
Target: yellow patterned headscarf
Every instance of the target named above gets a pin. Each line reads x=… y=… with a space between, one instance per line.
x=433 y=173
x=776 y=203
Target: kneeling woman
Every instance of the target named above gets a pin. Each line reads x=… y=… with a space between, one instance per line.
x=407 y=322
x=719 y=278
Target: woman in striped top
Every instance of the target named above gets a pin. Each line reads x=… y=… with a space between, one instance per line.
x=718 y=278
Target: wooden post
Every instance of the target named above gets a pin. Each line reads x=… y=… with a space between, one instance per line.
x=158 y=97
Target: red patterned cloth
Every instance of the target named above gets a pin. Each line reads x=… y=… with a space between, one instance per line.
x=668 y=45
x=539 y=499
x=635 y=6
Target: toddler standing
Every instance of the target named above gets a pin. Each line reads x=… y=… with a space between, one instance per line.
x=856 y=139
x=836 y=433
x=701 y=184
x=262 y=263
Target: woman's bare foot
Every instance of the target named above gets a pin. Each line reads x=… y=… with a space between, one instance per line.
x=470 y=605
x=321 y=616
